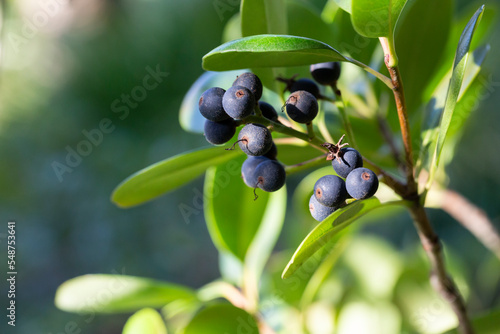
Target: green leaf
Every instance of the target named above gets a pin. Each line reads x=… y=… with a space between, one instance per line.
x=166 y=175
x=264 y=17
x=485 y=324
x=220 y=319
x=190 y=117
x=145 y=321
x=423 y=23
x=346 y=5
x=328 y=228
x=101 y=293
x=233 y=216
x=276 y=51
x=459 y=67
x=434 y=108
x=311 y=24
x=376 y=18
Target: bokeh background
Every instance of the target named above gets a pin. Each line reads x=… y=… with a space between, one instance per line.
x=60 y=77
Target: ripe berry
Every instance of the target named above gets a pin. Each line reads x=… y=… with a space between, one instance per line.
x=248 y=170
x=305 y=84
x=347 y=160
x=250 y=81
x=361 y=183
x=272 y=153
x=301 y=106
x=238 y=102
x=210 y=104
x=330 y=190
x=271 y=175
x=318 y=210
x=268 y=111
x=255 y=139
x=326 y=73
x=217 y=133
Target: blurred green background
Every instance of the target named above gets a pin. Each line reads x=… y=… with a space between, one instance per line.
x=60 y=78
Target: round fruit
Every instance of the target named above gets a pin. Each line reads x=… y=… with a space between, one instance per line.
x=318 y=210
x=268 y=111
x=271 y=175
x=255 y=139
x=349 y=159
x=301 y=106
x=330 y=190
x=238 y=102
x=250 y=81
x=272 y=153
x=217 y=133
x=210 y=104
x=326 y=73
x=248 y=170
x=361 y=183
x=305 y=84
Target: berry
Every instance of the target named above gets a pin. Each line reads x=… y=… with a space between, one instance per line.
x=210 y=104
x=272 y=153
x=326 y=73
x=318 y=210
x=248 y=170
x=361 y=183
x=301 y=106
x=347 y=160
x=268 y=111
x=217 y=133
x=238 y=102
x=255 y=139
x=330 y=190
x=250 y=81
x=271 y=175
x=305 y=84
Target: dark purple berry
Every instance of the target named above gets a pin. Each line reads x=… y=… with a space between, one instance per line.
x=248 y=170
x=218 y=133
x=326 y=73
x=272 y=153
x=250 y=81
x=210 y=104
x=318 y=210
x=330 y=190
x=255 y=139
x=301 y=106
x=271 y=175
x=361 y=183
x=347 y=160
x=305 y=84
x=268 y=111
x=238 y=102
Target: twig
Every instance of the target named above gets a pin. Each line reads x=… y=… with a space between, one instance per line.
x=387 y=134
x=473 y=219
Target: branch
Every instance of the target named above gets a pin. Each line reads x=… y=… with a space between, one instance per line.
x=439 y=278
x=473 y=219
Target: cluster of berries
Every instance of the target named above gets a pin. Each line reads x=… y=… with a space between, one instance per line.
x=331 y=191
x=223 y=109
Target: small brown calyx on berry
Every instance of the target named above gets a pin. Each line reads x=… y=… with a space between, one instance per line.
x=334 y=149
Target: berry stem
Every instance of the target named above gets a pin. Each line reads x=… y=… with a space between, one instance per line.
x=345 y=119
x=310 y=131
x=318 y=161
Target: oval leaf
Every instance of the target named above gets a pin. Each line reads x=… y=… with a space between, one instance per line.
x=145 y=321
x=276 y=51
x=376 y=18
x=328 y=228
x=269 y=51
x=222 y=318
x=166 y=175
x=102 y=293
x=233 y=216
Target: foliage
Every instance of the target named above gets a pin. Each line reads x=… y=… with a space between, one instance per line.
x=245 y=231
